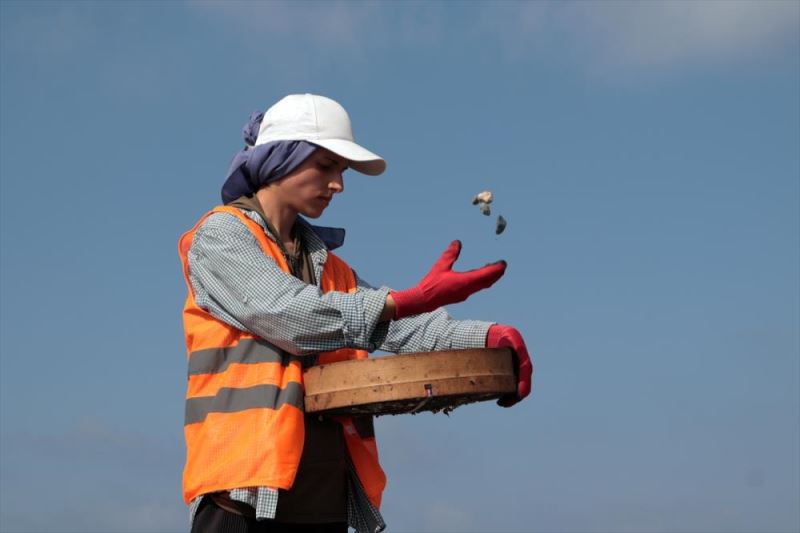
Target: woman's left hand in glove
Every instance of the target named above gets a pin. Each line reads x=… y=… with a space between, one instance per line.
x=502 y=336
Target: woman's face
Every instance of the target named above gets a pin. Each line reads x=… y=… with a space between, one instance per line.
x=309 y=188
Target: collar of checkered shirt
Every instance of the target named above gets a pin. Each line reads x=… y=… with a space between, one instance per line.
x=332 y=237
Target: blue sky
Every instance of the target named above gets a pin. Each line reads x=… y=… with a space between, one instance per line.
x=646 y=156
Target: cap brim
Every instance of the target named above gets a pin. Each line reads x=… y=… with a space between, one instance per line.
x=360 y=159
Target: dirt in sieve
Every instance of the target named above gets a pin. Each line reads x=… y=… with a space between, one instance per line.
x=434 y=404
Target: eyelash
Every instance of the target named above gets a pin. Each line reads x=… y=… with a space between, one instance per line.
x=328 y=166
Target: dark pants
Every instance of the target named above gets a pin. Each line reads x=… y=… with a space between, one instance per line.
x=211 y=518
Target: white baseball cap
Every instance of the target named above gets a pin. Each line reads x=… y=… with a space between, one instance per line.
x=320 y=121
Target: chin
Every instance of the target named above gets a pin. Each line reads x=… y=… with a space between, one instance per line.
x=313 y=213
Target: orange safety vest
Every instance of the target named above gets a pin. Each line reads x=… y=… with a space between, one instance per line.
x=244 y=404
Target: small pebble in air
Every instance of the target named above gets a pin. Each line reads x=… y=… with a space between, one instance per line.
x=486 y=210
x=501 y=225
x=483 y=197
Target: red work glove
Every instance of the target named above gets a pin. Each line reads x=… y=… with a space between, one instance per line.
x=500 y=336
x=443 y=286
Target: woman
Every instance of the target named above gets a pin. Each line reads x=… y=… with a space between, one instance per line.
x=267 y=297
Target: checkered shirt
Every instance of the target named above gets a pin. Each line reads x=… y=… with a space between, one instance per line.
x=237 y=283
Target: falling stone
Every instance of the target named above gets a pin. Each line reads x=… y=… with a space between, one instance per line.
x=485 y=209
x=501 y=225
x=484 y=197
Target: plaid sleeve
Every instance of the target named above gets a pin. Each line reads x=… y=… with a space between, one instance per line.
x=237 y=283
x=427 y=332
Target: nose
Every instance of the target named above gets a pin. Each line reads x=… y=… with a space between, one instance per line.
x=336 y=184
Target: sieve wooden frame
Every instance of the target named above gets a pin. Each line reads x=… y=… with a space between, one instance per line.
x=409 y=383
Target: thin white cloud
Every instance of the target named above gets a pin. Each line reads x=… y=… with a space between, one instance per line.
x=441 y=516
x=634 y=35
x=113 y=477
x=610 y=36
x=670 y=33
x=47 y=34
x=146 y=516
x=336 y=24
x=602 y=37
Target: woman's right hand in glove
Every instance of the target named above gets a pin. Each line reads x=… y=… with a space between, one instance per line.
x=443 y=286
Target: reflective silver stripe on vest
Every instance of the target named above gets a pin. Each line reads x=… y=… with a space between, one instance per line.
x=248 y=351
x=229 y=400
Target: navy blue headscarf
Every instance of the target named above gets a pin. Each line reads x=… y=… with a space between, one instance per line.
x=255 y=166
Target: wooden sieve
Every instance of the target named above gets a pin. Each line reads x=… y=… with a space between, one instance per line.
x=409 y=383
